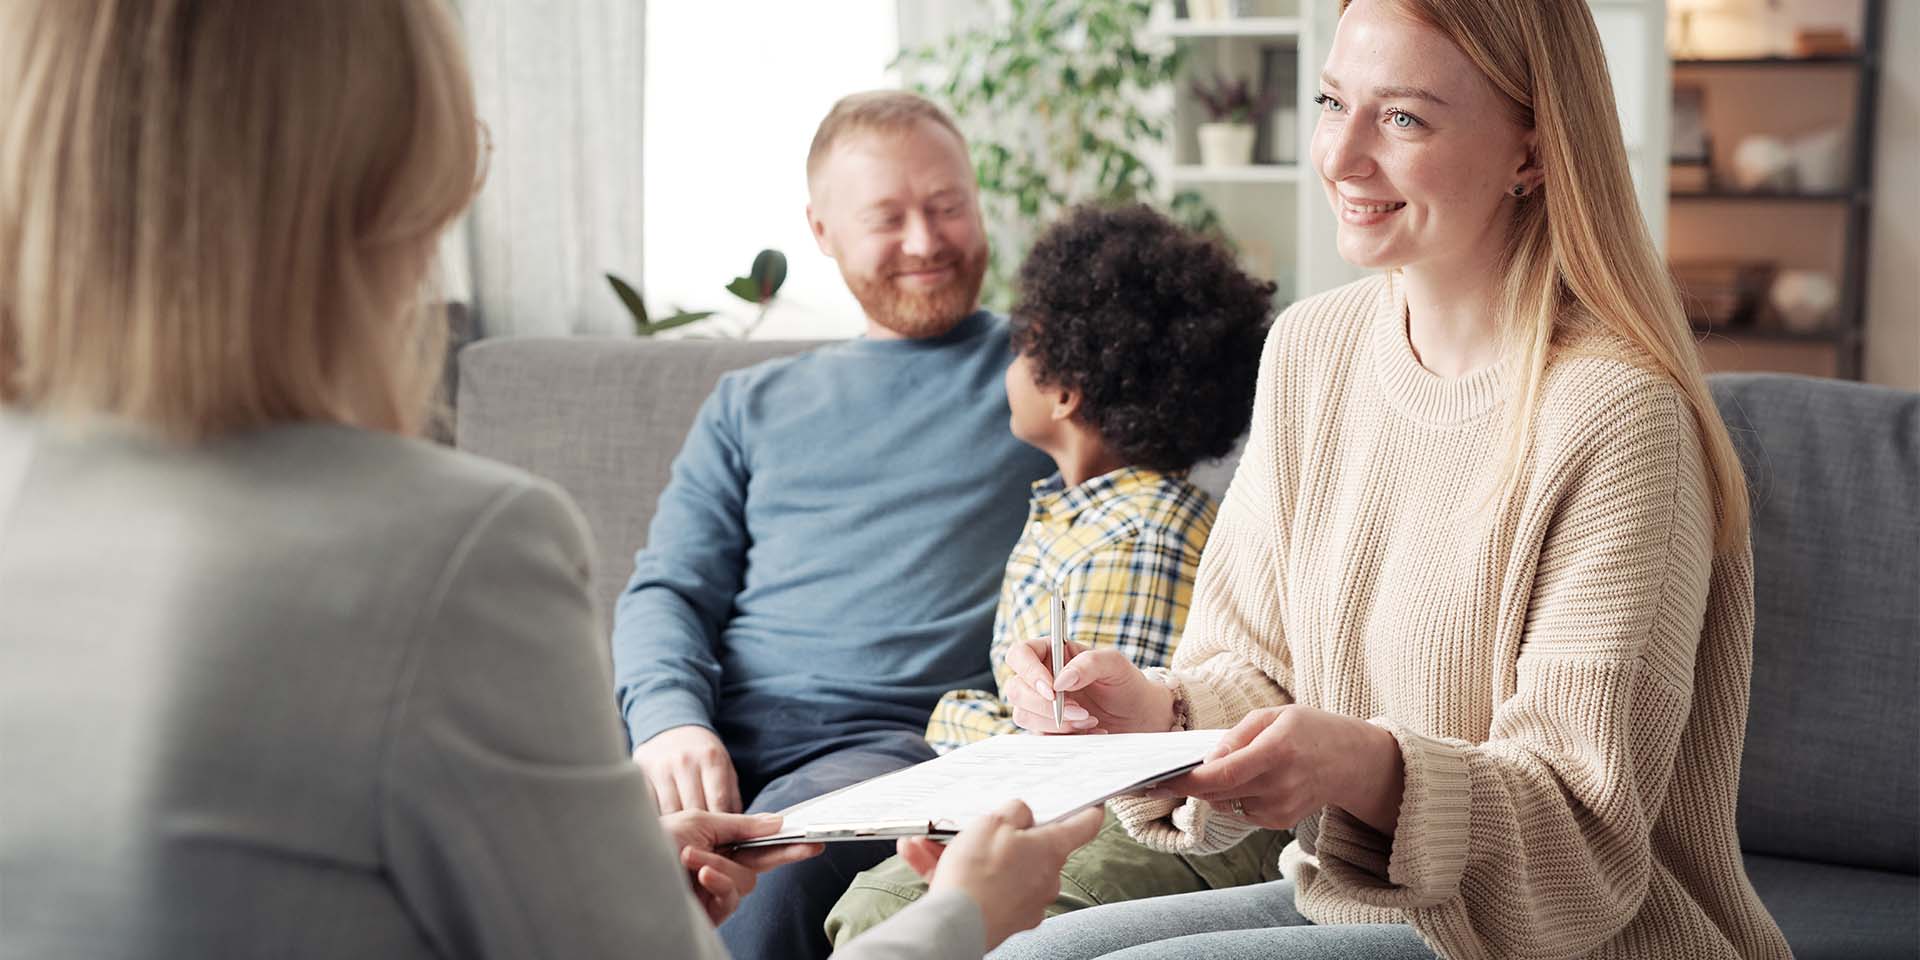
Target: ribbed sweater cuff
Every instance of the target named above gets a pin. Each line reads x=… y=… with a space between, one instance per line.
x=1430 y=844
x=1192 y=826
x=1213 y=703
x=1175 y=826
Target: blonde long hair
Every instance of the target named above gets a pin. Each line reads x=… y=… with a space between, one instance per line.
x=1581 y=271
x=217 y=214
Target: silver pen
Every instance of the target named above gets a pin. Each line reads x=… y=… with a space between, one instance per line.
x=1059 y=651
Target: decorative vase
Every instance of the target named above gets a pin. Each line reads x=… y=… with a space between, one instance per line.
x=1820 y=160
x=1804 y=299
x=1226 y=144
x=1762 y=163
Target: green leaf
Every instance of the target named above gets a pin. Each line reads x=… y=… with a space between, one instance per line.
x=631 y=297
x=745 y=288
x=680 y=319
x=769 y=272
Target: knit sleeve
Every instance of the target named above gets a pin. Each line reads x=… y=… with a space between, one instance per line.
x=1537 y=842
x=1233 y=658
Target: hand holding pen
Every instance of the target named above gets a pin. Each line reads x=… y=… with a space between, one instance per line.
x=1056 y=644
x=1098 y=691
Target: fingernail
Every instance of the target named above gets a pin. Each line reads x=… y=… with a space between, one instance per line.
x=1074 y=712
x=1067 y=678
x=1159 y=793
x=1045 y=690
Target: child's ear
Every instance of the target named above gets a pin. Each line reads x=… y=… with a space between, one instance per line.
x=1066 y=403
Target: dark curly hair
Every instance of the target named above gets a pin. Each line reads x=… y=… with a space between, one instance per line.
x=1155 y=325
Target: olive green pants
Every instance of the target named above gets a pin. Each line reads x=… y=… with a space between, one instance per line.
x=1111 y=869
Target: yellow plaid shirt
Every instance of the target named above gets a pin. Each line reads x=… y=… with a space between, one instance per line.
x=1122 y=548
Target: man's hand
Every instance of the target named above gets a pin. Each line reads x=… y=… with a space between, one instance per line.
x=1009 y=867
x=688 y=769
x=720 y=880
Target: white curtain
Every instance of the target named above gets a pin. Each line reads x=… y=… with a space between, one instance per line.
x=560 y=85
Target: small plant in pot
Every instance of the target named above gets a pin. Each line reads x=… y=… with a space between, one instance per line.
x=1227 y=139
x=759 y=287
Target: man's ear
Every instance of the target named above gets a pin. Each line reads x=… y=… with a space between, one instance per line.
x=818 y=228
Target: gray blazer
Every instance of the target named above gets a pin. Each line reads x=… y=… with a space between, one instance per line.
x=319 y=692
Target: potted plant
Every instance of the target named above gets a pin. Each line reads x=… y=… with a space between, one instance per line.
x=1061 y=104
x=759 y=287
x=1226 y=140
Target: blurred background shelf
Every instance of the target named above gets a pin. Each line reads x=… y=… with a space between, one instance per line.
x=1825 y=60
x=1770 y=198
x=1259 y=27
x=1773 y=196
x=1773 y=334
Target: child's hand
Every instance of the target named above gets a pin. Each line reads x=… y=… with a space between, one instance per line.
x=1105 y=692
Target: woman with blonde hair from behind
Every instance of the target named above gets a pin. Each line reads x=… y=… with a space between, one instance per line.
x=281 y=679
x=1478 y=606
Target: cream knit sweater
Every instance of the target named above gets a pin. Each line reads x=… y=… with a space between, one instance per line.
x=1565 y=666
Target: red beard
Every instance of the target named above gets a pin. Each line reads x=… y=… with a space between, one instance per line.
x=921 y=313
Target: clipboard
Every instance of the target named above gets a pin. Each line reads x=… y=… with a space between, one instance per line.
x=1055 y=775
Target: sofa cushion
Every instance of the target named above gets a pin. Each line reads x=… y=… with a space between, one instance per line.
x=1831 y=771
x=1839 y=913
x=602 y=417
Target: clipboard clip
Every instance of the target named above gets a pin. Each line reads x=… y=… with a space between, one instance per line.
x=834 y=832
x=881 y=828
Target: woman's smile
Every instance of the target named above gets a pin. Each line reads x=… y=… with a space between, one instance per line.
x=1362 y=212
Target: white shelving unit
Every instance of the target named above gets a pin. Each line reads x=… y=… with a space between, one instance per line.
x=1276 y=211
x=1267 y=206
x=1234 y=27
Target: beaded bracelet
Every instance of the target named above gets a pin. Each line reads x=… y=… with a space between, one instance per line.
x=1166 y=678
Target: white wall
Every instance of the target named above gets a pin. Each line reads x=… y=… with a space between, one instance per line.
x=1893 y=278
x=734 y=91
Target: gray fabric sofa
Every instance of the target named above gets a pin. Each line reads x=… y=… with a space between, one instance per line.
x=1830 y=795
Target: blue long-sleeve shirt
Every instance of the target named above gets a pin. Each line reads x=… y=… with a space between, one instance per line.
x=827 y=552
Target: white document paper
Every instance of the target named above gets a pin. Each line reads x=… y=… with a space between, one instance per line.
x=1055 y=776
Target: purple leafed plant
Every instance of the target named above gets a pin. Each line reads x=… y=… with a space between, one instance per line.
x=1230 y=100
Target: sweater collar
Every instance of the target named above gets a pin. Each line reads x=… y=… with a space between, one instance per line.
x=1416 y=391
x=970 y=326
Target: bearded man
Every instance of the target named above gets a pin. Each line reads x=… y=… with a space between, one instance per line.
x=824 y=562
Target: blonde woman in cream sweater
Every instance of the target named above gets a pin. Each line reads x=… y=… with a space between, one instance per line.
x=1478 y=607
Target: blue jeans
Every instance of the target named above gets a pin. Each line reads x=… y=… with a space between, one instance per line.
x=1257 y=922
x=786 y=914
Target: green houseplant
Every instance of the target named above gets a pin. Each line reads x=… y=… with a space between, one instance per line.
x=1080 y=77
x=759 y=286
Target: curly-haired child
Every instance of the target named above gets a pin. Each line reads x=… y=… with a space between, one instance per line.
x=1137 y=346
x=1137 y=343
